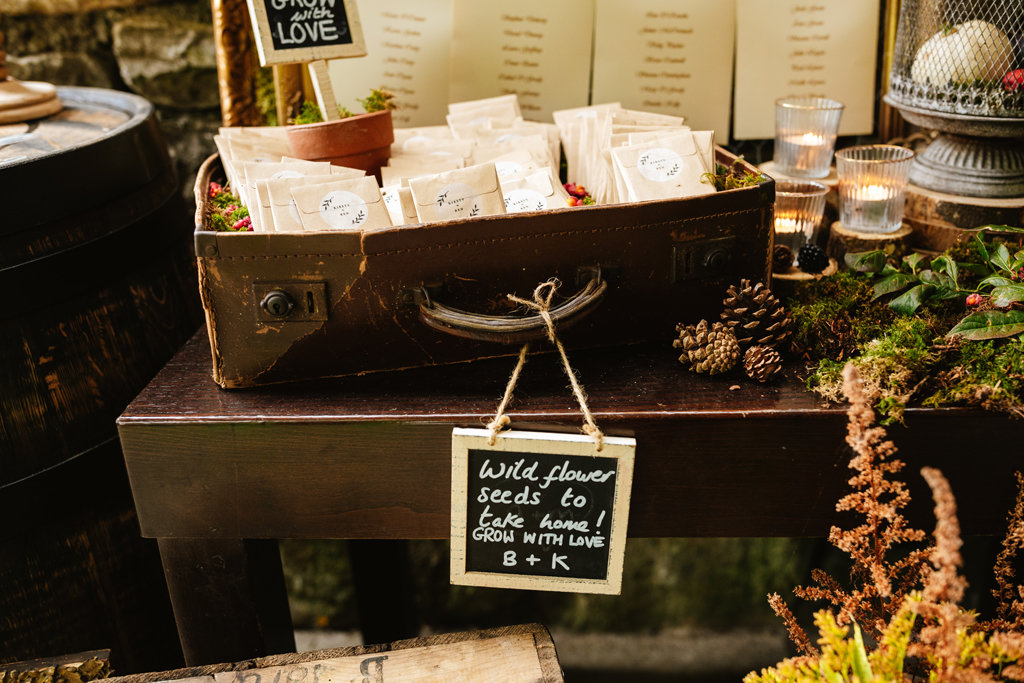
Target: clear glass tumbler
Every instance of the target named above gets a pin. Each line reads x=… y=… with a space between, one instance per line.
x=872 y=186
x=805 y=135
x=799 y=206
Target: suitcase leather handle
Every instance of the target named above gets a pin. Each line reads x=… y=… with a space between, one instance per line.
x=507 y=329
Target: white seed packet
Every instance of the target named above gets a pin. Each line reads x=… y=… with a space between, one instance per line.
x=272 y=170
x=517 y=163
x=284 y=211
x=538 y=191
x=408 y=140
x=400 y=205
x=509 y=105
x=463 y=193
x=469 y=126
x=341 y=205
x=234 y=154
x=665 y=169
x=644 y=118
x=704 y=139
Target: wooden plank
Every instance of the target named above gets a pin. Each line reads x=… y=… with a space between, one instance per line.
x=511 y=654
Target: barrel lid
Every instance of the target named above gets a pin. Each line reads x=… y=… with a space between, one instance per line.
x=105 y=143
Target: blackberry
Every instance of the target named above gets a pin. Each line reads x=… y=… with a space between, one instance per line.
x=812 y=259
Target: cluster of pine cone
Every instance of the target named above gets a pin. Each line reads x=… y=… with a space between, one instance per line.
x=754 y=326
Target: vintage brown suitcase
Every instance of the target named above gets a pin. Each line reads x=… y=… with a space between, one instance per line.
x=285 y=307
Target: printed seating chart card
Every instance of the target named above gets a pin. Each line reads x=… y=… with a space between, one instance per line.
x=667 y=56
x=824 y=48
x=409 y=46
x=536 y=49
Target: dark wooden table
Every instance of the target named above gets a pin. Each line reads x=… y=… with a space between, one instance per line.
x=219 y=476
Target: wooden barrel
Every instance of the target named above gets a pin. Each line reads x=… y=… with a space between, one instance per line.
x=97 y=290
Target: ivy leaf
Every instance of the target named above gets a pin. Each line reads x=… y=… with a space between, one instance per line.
x=1018 y=261
x=910 y=300
x=938 y=279
x=989 y=325
x=866 y=261
x=995 y=281
x=980 y=243
x=1002 y=258
x=913 y=260
x=1005 y=295
x=945 y=264
x=1002 y=228
x=892 y=283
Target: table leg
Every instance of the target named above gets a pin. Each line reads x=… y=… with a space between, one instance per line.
x=384 y=590
x=229 y=598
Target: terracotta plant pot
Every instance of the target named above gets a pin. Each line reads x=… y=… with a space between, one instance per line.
x=362 y=141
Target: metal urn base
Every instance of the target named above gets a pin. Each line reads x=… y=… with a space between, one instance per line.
x=972 y=167
x=976 y=156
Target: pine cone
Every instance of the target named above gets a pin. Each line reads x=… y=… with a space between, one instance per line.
x=707 y=349
x=762 y=362
x=782 y=258
x=756 y=316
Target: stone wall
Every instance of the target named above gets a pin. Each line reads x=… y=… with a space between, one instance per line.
x=163 y=51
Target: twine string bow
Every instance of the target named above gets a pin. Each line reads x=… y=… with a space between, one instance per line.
x=541 y=303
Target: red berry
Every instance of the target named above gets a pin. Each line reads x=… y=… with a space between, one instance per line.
x=215 y=189
x=243 y=224
x=973 y=299
x=1013 y=80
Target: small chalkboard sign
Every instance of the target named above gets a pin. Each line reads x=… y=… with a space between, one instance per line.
x=293 y=31
x=539 y=510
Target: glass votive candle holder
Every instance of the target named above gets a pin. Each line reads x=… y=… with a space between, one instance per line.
x=799 y=206
x=805 y=135
x=872 y=186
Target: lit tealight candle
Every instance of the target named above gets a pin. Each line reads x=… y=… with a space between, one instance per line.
x=809 y=140
x=872 y=193
x=787 y=225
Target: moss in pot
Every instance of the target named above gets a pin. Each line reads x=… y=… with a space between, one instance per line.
x=356 y=140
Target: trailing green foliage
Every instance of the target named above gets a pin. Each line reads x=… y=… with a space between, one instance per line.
x=379 y=99
x=943 y=331
x=725 y=178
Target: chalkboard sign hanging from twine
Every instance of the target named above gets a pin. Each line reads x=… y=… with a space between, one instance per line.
x=294 y=31
x=540 y=510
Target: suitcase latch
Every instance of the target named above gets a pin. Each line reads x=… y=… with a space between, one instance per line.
x=697 y=259
x=278 y=302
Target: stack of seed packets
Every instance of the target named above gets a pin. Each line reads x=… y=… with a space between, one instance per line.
x=623 y=155
x=485 y=161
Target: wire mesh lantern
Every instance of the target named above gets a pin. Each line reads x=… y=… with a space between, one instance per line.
x=958 y=67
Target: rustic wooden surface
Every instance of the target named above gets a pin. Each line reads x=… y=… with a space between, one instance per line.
x=236 y=63
x=842 y=240
x=522 y=652
x=370 y=457
x=941 y=220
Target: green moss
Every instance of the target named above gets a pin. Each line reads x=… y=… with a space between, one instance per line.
x=989 y=374
x=266 y=97
x=309 y=113
x=892 y=365
x=834 y=316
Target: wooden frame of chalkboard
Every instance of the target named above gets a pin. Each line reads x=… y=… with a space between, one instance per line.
x=294 y=31
x=540 y=510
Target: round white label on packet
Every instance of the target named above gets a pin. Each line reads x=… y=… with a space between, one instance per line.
x=507 y=169
x=659 y=164
x=457 y=200
x=417 y=141
x=343 y=210
x=524 y=199
x=286 y=174
x=391 y=200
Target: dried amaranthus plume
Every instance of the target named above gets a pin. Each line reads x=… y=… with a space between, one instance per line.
x=939 y=608
x=796 y=633
x=879 y=584
x=1009 y=595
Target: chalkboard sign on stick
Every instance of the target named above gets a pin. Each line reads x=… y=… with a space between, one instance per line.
x=293 y=31
x=539 y=510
